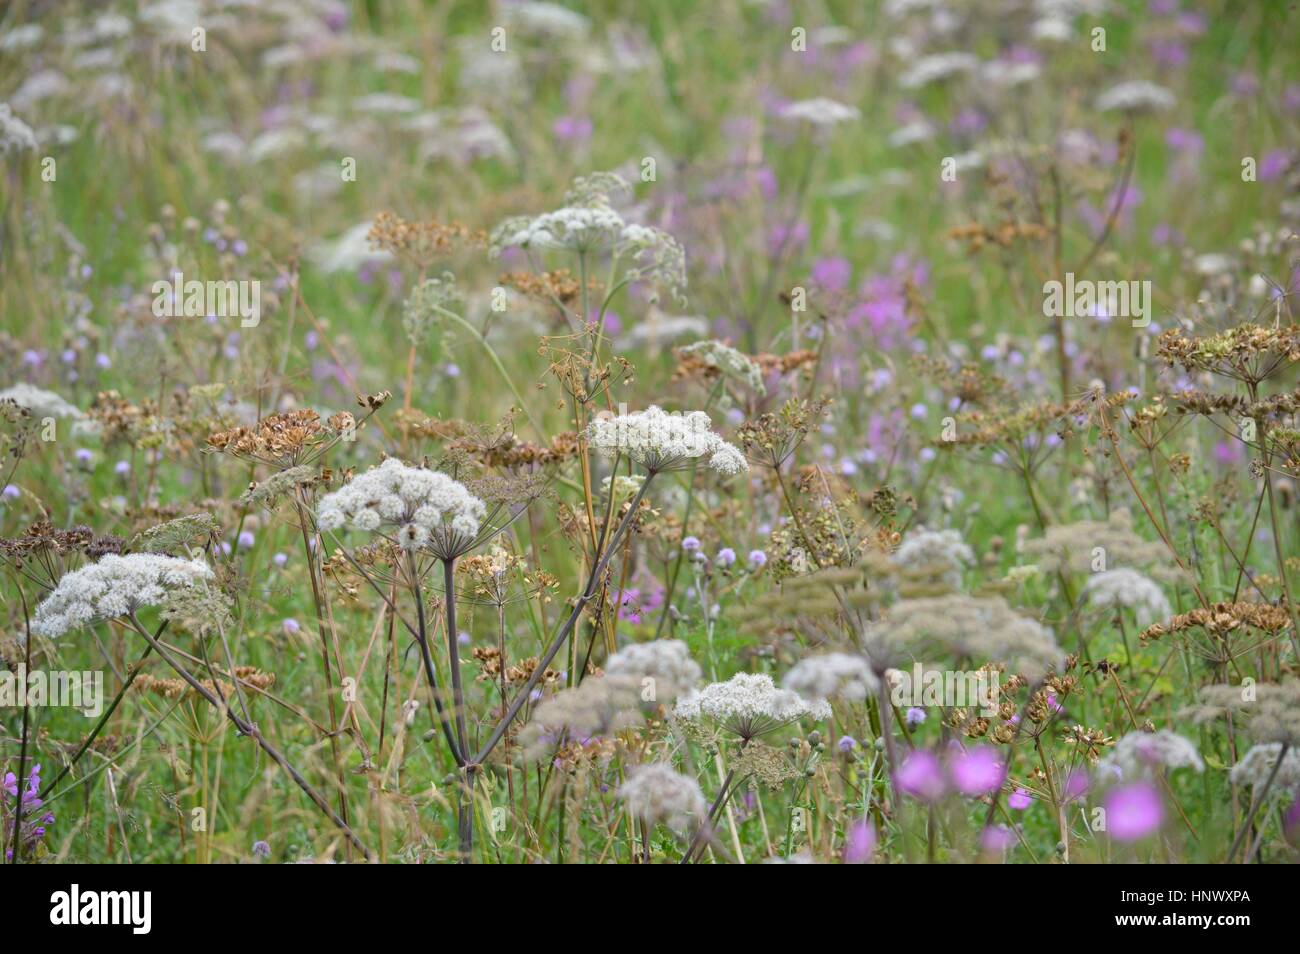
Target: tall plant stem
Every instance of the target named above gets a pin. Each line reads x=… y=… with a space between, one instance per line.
x=1255 y=803
x=465 y=804
x=496 y=361
x=588 y=592
x=319 y=602
x=251 y=730
x=19 y=791
x=1277 y=536
x=131 y=673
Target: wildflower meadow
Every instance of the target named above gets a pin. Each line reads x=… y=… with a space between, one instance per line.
x=588 y=432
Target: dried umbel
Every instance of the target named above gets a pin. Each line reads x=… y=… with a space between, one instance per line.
x=660 y=441
x=667 y=662
x=250 y=677
x=1247 y=353
x=1141 y=752
x=831 y=676
x=773 y=437
x=285 y=440
x=1222 y=618
x=43 y=545
x=656 y=793
x=749 y=705
x=421 y=243
x=425 y=509
x=113 y=587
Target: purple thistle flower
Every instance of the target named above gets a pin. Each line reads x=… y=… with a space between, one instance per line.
x=977 y=771
x=1133 y=811
x=921 y=777
x=860 y=843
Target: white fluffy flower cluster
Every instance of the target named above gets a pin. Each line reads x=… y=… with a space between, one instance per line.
x=929 y=550
x=113 y=587
x=1138 y=752
x=667 y=661
x=661 y=441
x=1136 y=96
x=1257 y=765
x=936 y=67
x=749 y=704
x=657 y=793
x=570 y=229
x=1130 y=589
x=428 y=508
x=40 y=402
x=15 y=135
x=832 y=676
x=550 y=19
x=588 y=222
x=820 y=112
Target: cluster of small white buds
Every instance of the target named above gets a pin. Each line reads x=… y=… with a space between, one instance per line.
x=426 y=509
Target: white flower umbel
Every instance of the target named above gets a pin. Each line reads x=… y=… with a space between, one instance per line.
x=943 y=551
x=427 y=509
x=15 y=135
x=666 y=661
x=749 y=704
x=1136 y=96
x=549 y=19
x=40 y=402
x=1140 y=752
x=1129 y=589
x=820 y=112
x=588 y=223
x=936 y=67
x=657 y=793
x=113 y=587
x=832 y=676
x=1257 y=765
x=660 y=441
